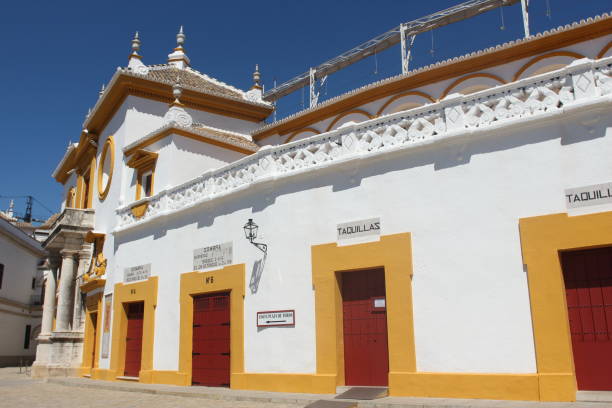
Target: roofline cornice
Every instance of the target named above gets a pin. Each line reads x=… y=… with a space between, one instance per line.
x=125 y=82
x=451 y=68
x=197 y=134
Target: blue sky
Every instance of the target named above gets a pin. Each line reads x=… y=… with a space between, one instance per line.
x=58 y=54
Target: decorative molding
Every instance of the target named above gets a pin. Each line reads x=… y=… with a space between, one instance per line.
x=345 y=114
x=546 y=41
x=402 y=95
x=543 y=96
x=539 y=58
x=109 y=146
x=468 y=77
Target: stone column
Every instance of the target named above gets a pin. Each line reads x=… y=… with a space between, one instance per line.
x=66 y=288
x=49 y=305
x=77 y=318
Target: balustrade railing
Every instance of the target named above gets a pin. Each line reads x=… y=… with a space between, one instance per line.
x=456 y=114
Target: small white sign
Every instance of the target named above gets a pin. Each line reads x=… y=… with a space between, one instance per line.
x=360 y=228
x=212 y=256
x=588 y=195
x=276 y=318
x=379 y=303
x=137 y=273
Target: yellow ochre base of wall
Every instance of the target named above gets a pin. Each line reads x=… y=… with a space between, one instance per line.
x=104 y=374
x=300 y=383
x=164 y=377
x=522 y=387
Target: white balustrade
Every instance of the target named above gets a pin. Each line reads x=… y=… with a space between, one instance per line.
x=455 y=115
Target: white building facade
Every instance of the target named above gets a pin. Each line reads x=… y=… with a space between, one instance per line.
x=20 y=307
x=434 y=232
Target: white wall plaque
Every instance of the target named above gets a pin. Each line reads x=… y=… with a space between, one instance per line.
x=588 y=195
x=212 y=256
x=136 y=273
x=359 y=228
x=108 y=303
x=276 y=318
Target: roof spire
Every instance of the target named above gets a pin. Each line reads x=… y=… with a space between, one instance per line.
x=256 y=78
x=177 y=113
x=135 y=60
x=177 y=92
x=178 y=58
x=102 y=90
x=255 y=94
x=10 y=212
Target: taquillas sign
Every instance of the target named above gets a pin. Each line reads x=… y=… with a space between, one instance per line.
x=588 y=195
x=359 y=228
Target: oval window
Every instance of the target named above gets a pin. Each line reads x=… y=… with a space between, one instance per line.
x=105 y=167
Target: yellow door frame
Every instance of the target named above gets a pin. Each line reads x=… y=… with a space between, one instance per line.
x=93 y=304
x=542 y=238
x=394 y=254
x=143 y=291
x=228 y=279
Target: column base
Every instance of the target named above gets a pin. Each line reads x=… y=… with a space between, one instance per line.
x=58 y=354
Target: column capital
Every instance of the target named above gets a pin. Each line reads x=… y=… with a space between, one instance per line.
x=54 y=260
x=84 y=255
x=67 y=253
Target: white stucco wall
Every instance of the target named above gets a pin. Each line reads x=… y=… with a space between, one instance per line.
x=20 y=267
x=461 y=201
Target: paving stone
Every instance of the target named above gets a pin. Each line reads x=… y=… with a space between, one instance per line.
x=19 y=390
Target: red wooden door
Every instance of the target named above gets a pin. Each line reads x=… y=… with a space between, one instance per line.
x=366 y=356
x=211 y=340
x=588 y=288
x=94 y=322
x=133 y=340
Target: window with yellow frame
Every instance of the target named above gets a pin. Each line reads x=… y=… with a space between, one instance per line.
x=144 y=162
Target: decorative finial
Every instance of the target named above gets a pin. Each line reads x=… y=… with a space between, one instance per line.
x=256 y=78
x=135 y=44
x=178 y=58
x=177 y=92
x=180 y=38
x=102 y=90
x=177 y=113
x=134 y=61
x=88 y=112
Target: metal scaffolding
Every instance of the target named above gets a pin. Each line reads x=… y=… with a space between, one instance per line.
x=404 y=33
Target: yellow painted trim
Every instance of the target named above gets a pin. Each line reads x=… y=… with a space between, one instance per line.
x=298 y=132
x=230 y=278
x=464 y=385
x=70 y=198
x=309 y=383
x=401 y=95
x=461 y=80
x=394 y=253
x=93 y=284
x=344 y=114
x=543 y=57
x=109 y=145
x=139 y=173
x=82 y=201
x=139 y=210
x=542 y=238
x=144 y=291
x=94 y=305
x=605 y=49
x=164 y=377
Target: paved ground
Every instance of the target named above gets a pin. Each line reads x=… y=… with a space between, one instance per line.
x=20 y=391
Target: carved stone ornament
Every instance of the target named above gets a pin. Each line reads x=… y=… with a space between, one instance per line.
x=179 y=116
x=254 y=95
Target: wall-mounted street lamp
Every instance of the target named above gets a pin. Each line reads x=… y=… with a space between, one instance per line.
x=250 y=232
